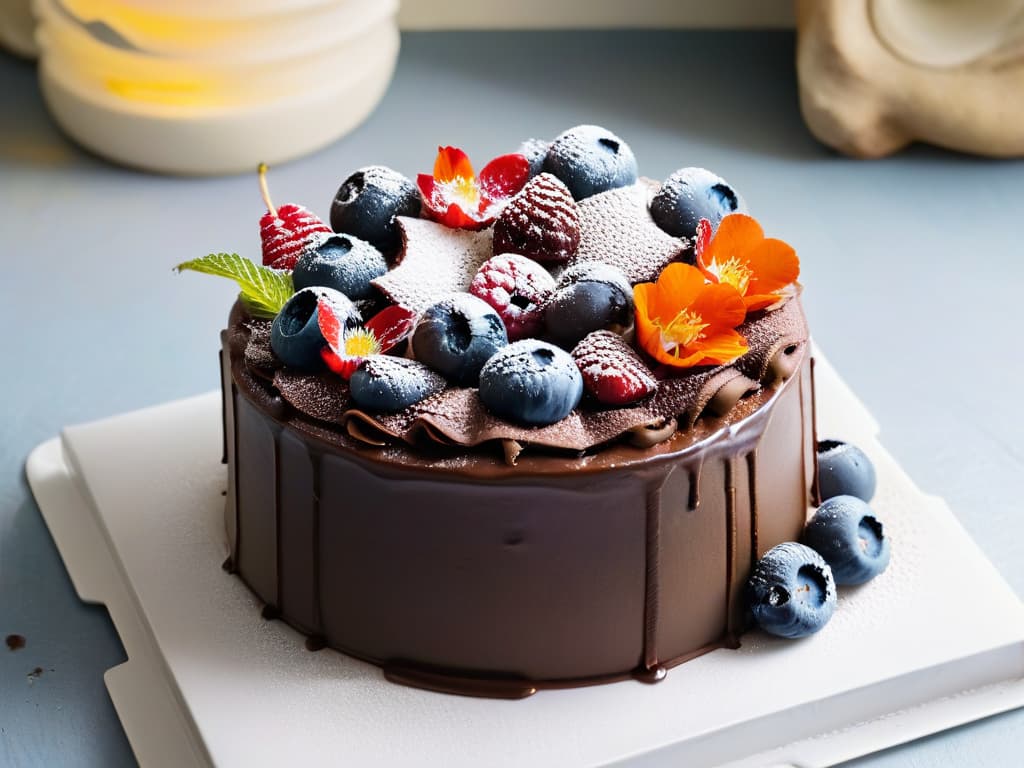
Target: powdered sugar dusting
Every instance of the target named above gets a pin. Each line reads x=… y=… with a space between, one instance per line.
x=436 y=261
x=616 y=228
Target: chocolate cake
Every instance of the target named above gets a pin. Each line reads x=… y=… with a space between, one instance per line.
x=491 y=474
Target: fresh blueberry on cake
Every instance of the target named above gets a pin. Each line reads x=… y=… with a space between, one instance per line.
x=529 y=424
x=692 y=194
x=588 y=297
x=590 y=159
x=849 y=536
x=367 y=203
x=388 y=384
x=531 y=382
x=457 y=335
x=342 y=262
x=295 y=335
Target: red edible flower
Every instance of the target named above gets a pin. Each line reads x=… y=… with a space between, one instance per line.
x=348 y=346
x=456 y=197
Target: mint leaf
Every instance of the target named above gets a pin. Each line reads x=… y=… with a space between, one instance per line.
x=264 y=290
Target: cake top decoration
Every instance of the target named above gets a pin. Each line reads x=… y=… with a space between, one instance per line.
x=555 y=298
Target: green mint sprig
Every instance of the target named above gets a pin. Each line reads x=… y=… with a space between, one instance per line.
x=264 y=290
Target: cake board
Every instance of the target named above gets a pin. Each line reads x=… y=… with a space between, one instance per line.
x=135 y=506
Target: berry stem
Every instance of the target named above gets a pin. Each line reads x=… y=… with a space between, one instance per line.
x=261 y=169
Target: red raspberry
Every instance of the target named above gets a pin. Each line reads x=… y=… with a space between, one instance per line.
x=612 y=371
x=285 y=230
x=517 y=289
x=542 y=222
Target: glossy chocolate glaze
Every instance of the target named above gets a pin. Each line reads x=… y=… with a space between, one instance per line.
x=457 y=572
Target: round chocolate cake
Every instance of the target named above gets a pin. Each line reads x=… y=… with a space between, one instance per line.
x=528 y=429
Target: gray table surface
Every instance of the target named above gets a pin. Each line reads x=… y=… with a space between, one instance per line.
x=912 y=267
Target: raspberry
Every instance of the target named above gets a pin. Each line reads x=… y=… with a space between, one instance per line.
x=284 y=231
x=517 y=289
x=541 y=222
x=612 y=371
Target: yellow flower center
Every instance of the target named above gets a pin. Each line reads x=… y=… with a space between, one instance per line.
x=733 y=272
x=462 y=190
x=684 y=329
x=361 y=343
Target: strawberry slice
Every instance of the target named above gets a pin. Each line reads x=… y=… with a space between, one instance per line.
x=612 y=372
x=284 y=231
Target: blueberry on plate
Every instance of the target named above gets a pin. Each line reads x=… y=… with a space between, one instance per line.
x=367 y=202
x=692 y=194
x=844 y=470
x=391 y=384
x=847 y=534
x=342 y=262
x=531 y=382
x=457 y=335
x=791 y=591
x=295 y=335
x=590 y=159
x=589 y=297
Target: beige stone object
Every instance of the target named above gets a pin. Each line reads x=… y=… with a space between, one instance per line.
x=876 y=75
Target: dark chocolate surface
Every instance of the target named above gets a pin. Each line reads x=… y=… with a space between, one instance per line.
x=456 y=571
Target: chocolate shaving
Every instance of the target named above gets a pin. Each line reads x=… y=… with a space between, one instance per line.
x=258 y=354
x=616 y=227
x=323 y=397
x=435 y=261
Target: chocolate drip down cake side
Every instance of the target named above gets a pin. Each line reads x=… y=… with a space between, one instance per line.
x=527 y=427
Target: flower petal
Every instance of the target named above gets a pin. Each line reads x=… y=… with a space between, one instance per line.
x=333 y=362
x=452 y=163
x=703 y=239
x=720 y=306
x=677 y=287
x=330 y=326
x=737 y=234
x=774 y=265
x=391 y=325
x=720 y=348
x=426 y=184
x=503 y=177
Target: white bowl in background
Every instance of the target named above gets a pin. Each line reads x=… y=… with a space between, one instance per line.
x=261 y=37
x=220 y=138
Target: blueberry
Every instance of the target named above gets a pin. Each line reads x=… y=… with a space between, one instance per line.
x=589 y=297
x=457 y=336
x=692 y=194
x=534 y=150
x=368 y=201
x=590 y=159
x=391 y=384
x=295 y=334
x=844 y=469
x=342 y=262
x=791 y=591
x=531 y=382
x=847 y=534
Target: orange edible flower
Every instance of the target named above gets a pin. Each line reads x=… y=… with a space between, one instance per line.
x=684 y=321
x=764 y=270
